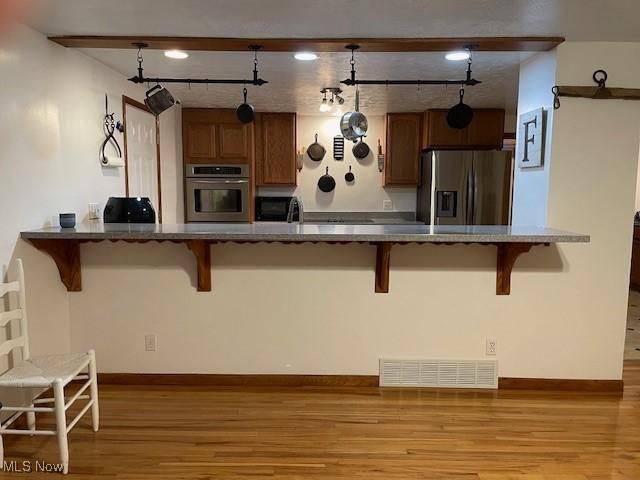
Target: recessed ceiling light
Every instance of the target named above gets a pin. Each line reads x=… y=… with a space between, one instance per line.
x=305 y=56
x=457 y=56
x=177 y=54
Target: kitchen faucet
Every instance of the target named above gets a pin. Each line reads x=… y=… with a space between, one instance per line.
x=292 y=203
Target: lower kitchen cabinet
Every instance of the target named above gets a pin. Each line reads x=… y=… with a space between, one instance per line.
x=402 y=158
x=635 y=259
x=276 y=149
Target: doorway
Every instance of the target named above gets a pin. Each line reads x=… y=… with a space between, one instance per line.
x=142 y=153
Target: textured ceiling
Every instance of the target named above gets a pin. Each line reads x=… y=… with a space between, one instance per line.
x=295 y=86
x=576 y=19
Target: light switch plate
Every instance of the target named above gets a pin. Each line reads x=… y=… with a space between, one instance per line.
x=150 y=343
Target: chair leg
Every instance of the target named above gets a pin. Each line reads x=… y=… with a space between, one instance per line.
x=31 y=419
x=61 y=425
x=93 y=376
x=31 y=416
x=1 y=454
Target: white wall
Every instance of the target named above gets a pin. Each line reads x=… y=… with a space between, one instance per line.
x=591 y=163
x=171 y=165
x=637 y=205
x=366 y=194
x=311 y=308
x=51 y=122
x=537 y=77
x=592 y=183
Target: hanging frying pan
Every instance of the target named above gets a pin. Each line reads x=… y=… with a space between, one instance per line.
x=354 y=124
x=460 y=115
x=360 y=150
x=316 y=151
x=349 y=176
x=245 y=111
x=326 y=182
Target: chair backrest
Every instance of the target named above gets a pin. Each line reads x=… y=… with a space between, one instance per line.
x=19 y=313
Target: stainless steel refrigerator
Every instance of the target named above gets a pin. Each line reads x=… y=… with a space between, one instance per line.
x=465 y=188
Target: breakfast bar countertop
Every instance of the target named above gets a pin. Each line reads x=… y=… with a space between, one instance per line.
x=63 y=244
x=293 y=232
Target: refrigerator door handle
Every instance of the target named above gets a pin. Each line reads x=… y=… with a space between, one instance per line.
x=474 y=178
x=469 y=200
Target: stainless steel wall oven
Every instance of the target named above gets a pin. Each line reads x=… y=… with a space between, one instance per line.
x=217 y=193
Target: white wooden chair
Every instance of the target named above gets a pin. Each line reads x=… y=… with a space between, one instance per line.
x=38 y=374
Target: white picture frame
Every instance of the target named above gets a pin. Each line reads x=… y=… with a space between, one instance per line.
x=531 y=137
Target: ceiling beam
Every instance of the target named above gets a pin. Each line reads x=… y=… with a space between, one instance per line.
x=211 y=44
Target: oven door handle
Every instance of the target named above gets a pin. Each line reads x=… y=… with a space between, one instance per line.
x=220 y=181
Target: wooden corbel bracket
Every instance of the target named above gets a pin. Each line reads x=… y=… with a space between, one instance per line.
x=66 y=255
x=201 y=249
x=507 y=255
x=383 y=256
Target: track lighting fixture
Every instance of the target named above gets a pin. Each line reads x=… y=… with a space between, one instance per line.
x=327 y=103
x=324 y=106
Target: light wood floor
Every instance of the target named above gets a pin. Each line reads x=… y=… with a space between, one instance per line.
x=367 y=433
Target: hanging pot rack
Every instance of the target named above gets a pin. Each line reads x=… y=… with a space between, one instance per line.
x=601 y=92
x=468 y=81
x=256 y=80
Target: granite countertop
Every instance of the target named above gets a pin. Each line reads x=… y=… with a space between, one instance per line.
x=292 y=232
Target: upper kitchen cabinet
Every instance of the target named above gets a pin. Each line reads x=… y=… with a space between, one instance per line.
x=276 y=149
x=402 y=149
x=212 y=135
x=486 y=131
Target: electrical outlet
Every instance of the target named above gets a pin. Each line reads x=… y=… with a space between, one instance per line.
x=387 y=205
x=492 y=346
x=150 y=343
x=94 y=211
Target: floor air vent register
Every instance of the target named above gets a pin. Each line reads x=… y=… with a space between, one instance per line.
x=439 y=373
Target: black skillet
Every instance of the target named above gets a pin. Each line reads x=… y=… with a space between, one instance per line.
x=349 y=176
x=460 y=115
x=245 y=111
x=360 y=150
x=326 y=182
x=316 y=151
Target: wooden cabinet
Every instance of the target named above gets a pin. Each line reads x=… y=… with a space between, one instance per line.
x=402 y=149
x=276 y=149
x=200 y=140
x=635 y=259
x=213 y=135
x=437 y=132
x=486 y=131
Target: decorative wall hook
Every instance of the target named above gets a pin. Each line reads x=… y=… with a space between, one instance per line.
x=600 y=92
x=109 y=127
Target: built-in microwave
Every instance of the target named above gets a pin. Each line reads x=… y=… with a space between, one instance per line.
x=275 y=209
x=217 y=193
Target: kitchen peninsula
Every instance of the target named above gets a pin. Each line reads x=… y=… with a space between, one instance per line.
x=63 y=245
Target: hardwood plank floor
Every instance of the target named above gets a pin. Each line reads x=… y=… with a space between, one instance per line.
x=324 y=433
